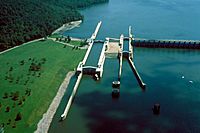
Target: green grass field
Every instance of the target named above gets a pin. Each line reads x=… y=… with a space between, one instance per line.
x=29 y=79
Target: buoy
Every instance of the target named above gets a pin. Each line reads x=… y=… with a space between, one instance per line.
x=156 y=109
x=182 y=77
x=191 y=81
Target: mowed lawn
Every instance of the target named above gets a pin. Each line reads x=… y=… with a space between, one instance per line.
x=29 y=79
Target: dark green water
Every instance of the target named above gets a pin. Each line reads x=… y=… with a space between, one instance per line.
x=93 y=57
x=126 y=45
x=95 y=111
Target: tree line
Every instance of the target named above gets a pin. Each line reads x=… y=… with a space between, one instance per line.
x=25 y=20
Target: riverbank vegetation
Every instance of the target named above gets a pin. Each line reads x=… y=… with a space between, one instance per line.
x=30 y=77
x=25 y=20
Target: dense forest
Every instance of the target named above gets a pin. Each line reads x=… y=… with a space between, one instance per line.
x=25 y=20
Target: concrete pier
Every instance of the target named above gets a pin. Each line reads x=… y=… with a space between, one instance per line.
x=139 y=79
x=130 y=43
x=129 y=56
x=64 y=115
x=120 y=56
x=94 y=35
x=101 y=61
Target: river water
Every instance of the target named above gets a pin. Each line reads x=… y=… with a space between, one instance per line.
x=171 y=75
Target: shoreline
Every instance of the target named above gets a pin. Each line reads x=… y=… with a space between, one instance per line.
x=44 y=124
x=67 y=26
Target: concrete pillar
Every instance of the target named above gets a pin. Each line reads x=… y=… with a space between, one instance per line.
x=163 y=45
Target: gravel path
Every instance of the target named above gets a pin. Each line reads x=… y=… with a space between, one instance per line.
x=70 y=45
x=46 y=120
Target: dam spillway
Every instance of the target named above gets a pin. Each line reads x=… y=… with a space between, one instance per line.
x=166 y=43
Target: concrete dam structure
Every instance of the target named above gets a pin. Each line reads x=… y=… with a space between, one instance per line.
x=122 y=47
x=162 y=43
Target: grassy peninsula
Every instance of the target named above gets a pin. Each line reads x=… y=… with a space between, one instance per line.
x=30 y=77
